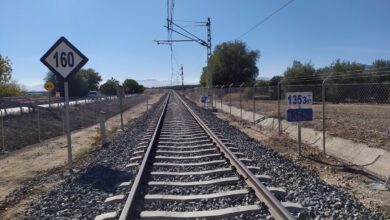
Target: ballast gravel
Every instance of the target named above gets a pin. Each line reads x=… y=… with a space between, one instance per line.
x=82 y=194
x=320 y=200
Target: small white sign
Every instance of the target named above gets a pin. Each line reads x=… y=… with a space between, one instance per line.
x=299 y=99
x=63 y=58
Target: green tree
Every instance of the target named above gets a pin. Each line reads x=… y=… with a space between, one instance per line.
x=10 y=89
x=93 y=78
x=79 y=84
x=382 y=70
x=300 y=73
x=381 y=92
x=231 y=62
x=5 y=69
x=132 y=86
x=340 y=73
x=109 y=87
x=344 y=72
x=275 y=80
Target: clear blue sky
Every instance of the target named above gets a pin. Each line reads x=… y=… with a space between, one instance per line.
x=117 y=36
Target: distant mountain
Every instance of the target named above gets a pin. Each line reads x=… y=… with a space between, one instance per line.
x=263 y=78
x=34 y=88
x=154 y=83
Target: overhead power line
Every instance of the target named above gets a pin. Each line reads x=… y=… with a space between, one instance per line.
x=265 y=19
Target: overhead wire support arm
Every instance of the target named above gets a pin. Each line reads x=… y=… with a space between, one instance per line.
x=200 y=40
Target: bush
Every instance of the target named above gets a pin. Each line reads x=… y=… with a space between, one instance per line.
x=10 y=89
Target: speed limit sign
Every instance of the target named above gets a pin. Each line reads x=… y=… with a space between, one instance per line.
x=64 y=59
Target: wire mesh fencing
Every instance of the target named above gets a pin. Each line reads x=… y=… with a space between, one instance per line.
x=358 y=112
x=23 y=124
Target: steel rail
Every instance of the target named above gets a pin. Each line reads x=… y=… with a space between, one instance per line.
x=277 y=210
x=129 y=208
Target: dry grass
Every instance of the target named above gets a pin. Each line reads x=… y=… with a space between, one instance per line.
x=365 y=123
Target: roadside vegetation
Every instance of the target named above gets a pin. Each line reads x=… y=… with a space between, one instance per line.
x=8 y=87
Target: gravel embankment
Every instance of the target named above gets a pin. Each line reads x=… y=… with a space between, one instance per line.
x=82 y=195
x=321 y=201
x=178 y=113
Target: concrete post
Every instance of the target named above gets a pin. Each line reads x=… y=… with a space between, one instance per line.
x=242 y=84
x=39 y=125
x=2 y=131
x=103 y=136
x=147 y=102
x=323 y=114
x=299 y=139
x=120 y=109
x=230 y=99
x=222 y=93
x=279 y=113
x=254 y=105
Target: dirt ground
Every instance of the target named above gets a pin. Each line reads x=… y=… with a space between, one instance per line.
x=330 y=170
x=21 y=130
x=49 y=156
x=365 y=123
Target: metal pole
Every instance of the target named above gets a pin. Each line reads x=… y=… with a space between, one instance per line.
x=254 y=105
x=323 y=114
x=63 y=120
x=103 y=136
x=240 y=105
x=147 y=102
x=39 y=126
x=299 y=139
x=230 y=101
x=120 y=109
x=49 y=99
x=279 y=115
x=230 y=98
x=242 y=84
x=2 y=131
x=68 y=134
x=214 y=99
x=222 y=93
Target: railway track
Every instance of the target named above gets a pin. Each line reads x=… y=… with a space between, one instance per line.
x=187 y=170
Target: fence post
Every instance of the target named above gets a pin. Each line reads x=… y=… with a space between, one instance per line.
x=81 y=108
x=279 y=115
x=39 y=126
x=230 y=99
x=103 y=136
x=121 y=112
x=299 y=139
x=323 y=114
x=214 y=99
x=242 y=84
x=147 y=102
x=254 y=105
x=221 y=93
x=2 y=131
x=63 y=119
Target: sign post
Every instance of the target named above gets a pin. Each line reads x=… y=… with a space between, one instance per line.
x=299 y=109
x=64 y=60
x=49 y=86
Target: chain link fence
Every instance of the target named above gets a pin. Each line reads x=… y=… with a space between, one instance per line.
x=26 y=121
x=358 y=112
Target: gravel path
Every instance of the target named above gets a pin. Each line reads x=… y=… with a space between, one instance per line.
x=320 y=200
x=81 y=196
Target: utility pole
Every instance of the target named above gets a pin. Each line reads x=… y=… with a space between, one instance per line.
x=187 y=36
x=182 y=76
x=208 y=25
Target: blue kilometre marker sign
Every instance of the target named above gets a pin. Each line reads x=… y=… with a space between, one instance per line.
x=299 y=106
